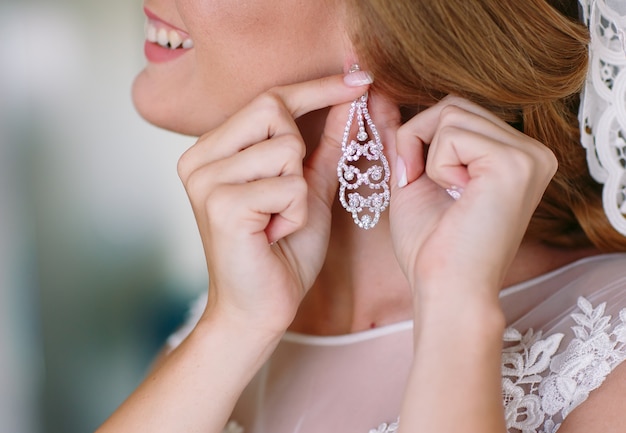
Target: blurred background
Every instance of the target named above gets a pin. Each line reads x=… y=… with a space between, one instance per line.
x=99 y=255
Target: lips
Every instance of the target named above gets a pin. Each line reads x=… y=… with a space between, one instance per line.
x=164 y=42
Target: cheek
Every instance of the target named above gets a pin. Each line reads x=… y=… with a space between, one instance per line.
x=226 y=18
x=241 y=49
x=238 y=44
x=271 y=42
x=260 y=28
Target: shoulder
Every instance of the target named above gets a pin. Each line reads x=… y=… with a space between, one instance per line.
x=600 y=280
x=591 y=273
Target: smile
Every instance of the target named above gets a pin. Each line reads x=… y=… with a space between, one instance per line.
x=164 y=42
x=160 y=33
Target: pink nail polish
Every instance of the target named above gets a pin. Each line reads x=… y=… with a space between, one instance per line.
x=356 y=77
x=401 y=173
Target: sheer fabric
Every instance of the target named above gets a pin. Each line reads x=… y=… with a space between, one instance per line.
x=566 y=333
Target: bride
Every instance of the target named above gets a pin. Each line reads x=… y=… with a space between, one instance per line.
x=400 y=229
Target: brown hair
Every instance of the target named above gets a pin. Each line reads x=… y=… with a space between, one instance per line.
x=524 y=60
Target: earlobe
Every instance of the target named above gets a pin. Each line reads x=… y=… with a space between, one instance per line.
x=350 y=57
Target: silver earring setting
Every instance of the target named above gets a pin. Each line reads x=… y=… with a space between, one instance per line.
x=372 y=173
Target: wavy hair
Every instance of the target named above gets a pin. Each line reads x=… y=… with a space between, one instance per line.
x=524 y=60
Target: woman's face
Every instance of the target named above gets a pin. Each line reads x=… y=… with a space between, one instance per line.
x=240 y=48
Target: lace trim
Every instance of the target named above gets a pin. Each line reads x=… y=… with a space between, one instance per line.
x=387 y=428
x=343 y=340
x=602 y=113
x=539 y=387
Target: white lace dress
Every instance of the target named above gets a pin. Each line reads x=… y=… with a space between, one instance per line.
x=566 y=333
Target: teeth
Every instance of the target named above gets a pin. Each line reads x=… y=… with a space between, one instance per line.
x=162 y=38
x=175 y=39
x=166 y=38
x=151 y=33
x=188 y=43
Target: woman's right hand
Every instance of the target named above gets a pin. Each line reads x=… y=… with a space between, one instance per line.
x=263 y=214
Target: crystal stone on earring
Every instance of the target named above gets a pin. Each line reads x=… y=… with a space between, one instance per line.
x=354 y=200
x=366 y=222
x=377 y=200
x=376 y=172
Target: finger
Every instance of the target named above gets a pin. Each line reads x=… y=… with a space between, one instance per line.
x=409 y=160
x=449 y=156
x=279 y=156
x=320 y=168
x=313 y=95
x=274 y=206
x=459 y=155
x=426 y=122
x=419 y=132
x=271 y=114
x=226 y=141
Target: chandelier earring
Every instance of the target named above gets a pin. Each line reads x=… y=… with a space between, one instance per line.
x=363 y=170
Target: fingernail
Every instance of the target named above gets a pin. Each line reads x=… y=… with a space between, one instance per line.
x=358 y=78
x=455 y=192
x=401 y=173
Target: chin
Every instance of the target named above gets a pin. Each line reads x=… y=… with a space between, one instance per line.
x=169 y=124
x=162 y=110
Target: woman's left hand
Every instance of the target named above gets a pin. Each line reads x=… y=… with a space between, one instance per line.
x=500 y=175
x=455 y=254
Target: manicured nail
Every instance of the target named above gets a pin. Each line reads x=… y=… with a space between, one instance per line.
x=358 y=78
x=455 y=192
x=401 y=173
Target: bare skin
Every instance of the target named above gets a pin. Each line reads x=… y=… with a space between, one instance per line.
x=286 y=256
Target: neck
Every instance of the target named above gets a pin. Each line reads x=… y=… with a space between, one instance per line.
x=361 y=285
x=534 y=259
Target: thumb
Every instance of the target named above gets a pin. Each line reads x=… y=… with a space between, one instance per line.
x=320 y=168
x=386 y=116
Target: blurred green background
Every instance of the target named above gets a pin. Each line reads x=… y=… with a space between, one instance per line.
x=99 y=254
